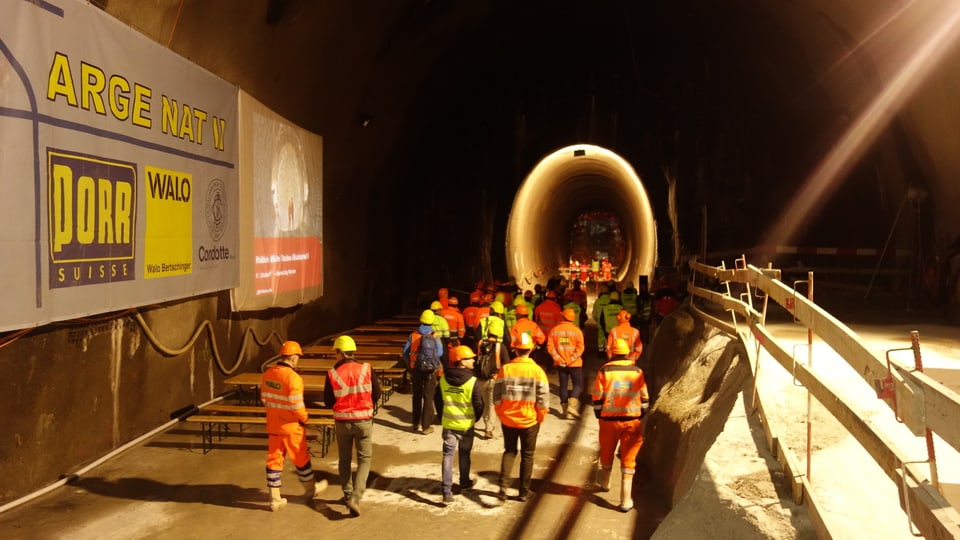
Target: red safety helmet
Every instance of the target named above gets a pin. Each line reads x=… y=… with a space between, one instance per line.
x=475 y=297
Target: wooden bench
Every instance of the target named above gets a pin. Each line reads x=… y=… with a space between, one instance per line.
x=390 y=380
x=219 y=422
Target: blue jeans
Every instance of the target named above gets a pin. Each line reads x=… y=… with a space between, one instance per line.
x=350 y=434
x=575 y=373
x=462 y=441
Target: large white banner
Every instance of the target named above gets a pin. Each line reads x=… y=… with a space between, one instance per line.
x=281 y=210
x=118 y=167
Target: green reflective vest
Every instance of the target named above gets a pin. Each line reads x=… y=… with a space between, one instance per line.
x=457 y=405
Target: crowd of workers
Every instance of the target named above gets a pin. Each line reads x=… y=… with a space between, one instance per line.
x=491 y=359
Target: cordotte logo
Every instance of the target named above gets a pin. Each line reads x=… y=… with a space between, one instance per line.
x=216 y=209
x=216 y=214
x=92 y=214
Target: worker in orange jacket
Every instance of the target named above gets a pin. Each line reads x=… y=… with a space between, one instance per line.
x=451 y=312
x=281 y=391
x=625 y=331
x=524 y=325
x=620 y=400
x=521 y=397
x=565 y=346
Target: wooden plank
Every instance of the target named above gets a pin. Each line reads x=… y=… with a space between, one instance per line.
x=365 y=350
x=382 y=329
x=311 y=381
x=326 y=364
x=258 y=409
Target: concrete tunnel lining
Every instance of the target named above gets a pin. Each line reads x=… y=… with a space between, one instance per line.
x=561 y=186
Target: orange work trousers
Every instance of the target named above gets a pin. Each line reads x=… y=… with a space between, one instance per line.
x=629 y=435
x=281 y=444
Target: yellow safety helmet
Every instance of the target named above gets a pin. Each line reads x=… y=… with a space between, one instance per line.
x=345 y=344
x=620 y=347
x=290 y=348
x=496 y=307
x=427 y=317
x=436 y=305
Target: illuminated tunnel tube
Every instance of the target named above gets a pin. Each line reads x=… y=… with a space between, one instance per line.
x=561 y=187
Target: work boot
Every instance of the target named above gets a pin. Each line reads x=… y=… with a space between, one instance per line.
x=566 y=411
x=626 y=492
x=603 y=478
x=353 y=505
x=276 y=501
x=573 y=408
x=314 y=488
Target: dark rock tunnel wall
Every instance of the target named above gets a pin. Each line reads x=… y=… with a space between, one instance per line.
x=472 y=121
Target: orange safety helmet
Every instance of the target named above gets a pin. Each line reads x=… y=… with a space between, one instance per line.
x=522 y=310
x=525 y=343
x=443 y=293
x=475 y=297
x=569 y=314
x=620 y=347
x=552 y=295
x=453 y=301
x=487 y=298
x=290 y=348
x=461 y=353
x=623 y=316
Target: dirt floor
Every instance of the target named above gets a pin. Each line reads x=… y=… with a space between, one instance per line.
x=167 y=488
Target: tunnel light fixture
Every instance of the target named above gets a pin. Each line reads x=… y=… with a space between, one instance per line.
x=579 y=152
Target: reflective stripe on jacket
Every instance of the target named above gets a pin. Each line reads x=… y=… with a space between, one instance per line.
x=458 y=413
x=629 y=334
x=565 y=345
x=525 y=326
x=281 y=390
x=620 y=391
x=521 y=393
x=353 y=389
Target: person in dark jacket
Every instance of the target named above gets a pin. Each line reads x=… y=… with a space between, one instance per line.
x=462 y=407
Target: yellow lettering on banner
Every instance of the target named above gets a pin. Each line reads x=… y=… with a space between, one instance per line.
x=219 y=131
x=60 y=82
x=62 y=200
x=182 y=121
x=86 y=210
x=119 y=102
x=141 y=106
x=92 y=84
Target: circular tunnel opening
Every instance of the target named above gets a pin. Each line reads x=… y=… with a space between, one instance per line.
x=584 y=200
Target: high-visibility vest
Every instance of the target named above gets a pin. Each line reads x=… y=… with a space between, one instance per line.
x=281 y=390
x=526 y=326
x=521 y=393
x=609 y=313
x=352 y=385
x=454 y=321
x=620 y=391
x=629 y=299
x=629 y=334
x=598 y=304
x=576 y=309
x=565 y=344
x=440 y=327
x=457 y=405
x=494 y=322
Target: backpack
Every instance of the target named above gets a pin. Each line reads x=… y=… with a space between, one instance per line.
x=487 y=360
x=427 y=358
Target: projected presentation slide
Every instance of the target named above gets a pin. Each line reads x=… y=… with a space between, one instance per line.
x=282 y=178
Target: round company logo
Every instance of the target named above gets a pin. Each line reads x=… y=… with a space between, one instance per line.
x=216 y=211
